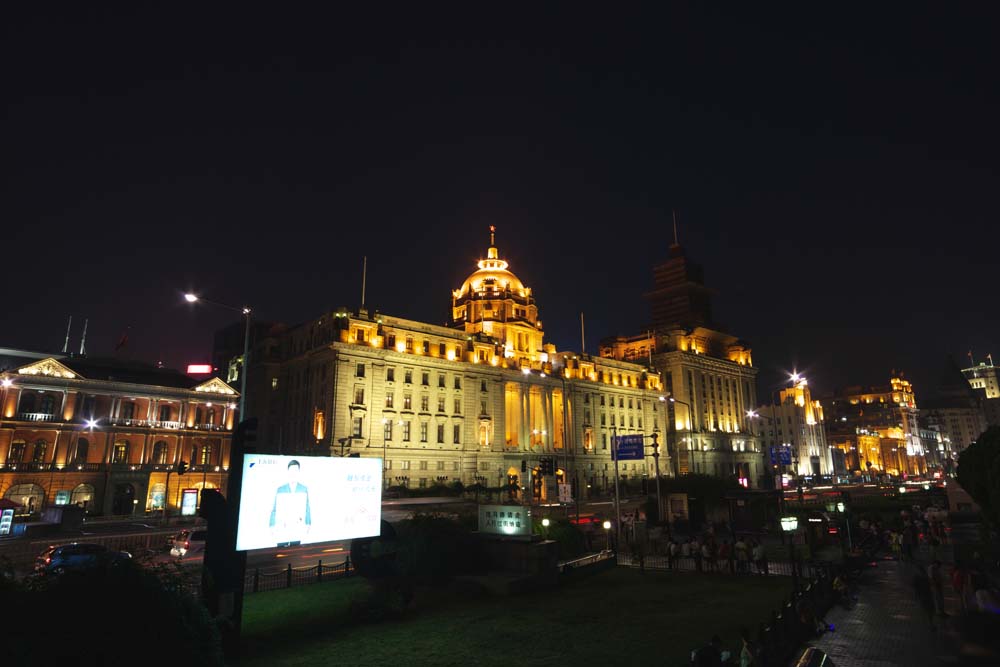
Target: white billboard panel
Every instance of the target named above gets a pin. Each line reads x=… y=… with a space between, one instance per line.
x=289 y=500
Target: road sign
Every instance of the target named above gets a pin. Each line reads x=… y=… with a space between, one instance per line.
x=786 y=455
x=629 y=448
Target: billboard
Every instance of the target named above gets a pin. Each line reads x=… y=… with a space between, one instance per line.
x=189 y=502
x=290 y=500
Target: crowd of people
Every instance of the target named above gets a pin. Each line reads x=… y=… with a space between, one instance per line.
x=741 y=556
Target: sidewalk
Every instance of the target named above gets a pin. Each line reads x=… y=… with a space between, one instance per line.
x=888 y=627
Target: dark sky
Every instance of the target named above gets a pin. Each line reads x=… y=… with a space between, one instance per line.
x=834 y=172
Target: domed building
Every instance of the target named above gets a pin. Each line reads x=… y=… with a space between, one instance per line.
x=494 y=302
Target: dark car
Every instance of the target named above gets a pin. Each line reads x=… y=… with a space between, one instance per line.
x=77 y=558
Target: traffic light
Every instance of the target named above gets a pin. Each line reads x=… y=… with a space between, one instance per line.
x=182 y=467
x=524 y=465
x=547 y=466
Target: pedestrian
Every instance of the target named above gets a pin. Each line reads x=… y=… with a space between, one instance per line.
x=960 y=582
x=708 y=555
x=759 y=558
x=726 y=555
x=685 y=549
x=709 y=655
x=936 y=578
x=741 y=555
x=672 y=551
x=922 y=589
x=748 y=650
x=696 y=553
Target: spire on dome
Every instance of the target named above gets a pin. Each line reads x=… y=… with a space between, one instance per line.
x=492 y=252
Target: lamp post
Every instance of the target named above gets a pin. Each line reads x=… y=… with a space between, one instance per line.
x=673 y=429
x=194 y=298
x=607 y=534
x=789 y=524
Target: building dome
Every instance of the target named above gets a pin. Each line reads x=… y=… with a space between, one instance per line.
x=492 y=277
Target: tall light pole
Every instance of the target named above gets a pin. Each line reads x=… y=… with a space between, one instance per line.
x=245 y=310
x=673 y=429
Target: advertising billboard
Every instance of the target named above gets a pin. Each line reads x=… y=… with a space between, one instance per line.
x=290 y=500
x=189 y=502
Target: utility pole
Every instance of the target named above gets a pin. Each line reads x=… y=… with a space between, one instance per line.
x=618 y=511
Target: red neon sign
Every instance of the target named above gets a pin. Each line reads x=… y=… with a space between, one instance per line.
x=199 y=369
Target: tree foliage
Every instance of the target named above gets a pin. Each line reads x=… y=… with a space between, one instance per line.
x=979 y=472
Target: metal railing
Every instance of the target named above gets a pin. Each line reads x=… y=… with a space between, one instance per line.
x=716 y=566
x=258 y=582
x=36 y=416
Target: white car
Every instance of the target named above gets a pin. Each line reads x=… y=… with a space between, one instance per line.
x=188 y=543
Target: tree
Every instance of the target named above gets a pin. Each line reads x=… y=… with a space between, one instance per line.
x=979 y=473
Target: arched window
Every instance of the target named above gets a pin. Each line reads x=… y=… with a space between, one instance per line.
x=82 y=450
x=47 y=404
x=120 y=453
x=27 y=403
x=16 y=453
x=29 y=496
x=38 y=453
x=160 y=452
x=206 y=455
x=83 y=495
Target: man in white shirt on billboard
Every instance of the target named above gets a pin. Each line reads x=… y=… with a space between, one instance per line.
x=291 y=516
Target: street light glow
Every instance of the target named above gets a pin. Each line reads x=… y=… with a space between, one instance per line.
x=607 y=525
x=6 y=382
x=91 y=423
x=545 y=522
x=190 y=298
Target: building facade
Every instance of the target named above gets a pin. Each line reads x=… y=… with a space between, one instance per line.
x=796 y=421
x=983 y=379
x=708 y=374
x=876 y=429
x=103 y=434
x=479 y=401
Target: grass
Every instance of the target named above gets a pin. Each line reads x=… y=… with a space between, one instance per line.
x=613 y=618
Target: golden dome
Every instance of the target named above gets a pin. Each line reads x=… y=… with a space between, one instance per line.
x=492 y=276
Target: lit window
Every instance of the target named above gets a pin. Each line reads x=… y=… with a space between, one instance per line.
x=387 y=430
x=406 y=438
x=423 y=432
x=356 y=429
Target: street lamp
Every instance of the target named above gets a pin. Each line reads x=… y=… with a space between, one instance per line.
x=673 y=429
x=789 y=524
x=245 y=310
x=607 y=534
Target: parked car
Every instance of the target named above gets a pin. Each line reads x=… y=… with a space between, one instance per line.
x=77 y=557
x=188 y=543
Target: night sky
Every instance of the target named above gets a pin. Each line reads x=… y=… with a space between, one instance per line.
x=835 y=173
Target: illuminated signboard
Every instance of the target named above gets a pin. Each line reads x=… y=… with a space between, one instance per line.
x=189 y=502
x=289 y=500
x=199 y=369
x=505 y=519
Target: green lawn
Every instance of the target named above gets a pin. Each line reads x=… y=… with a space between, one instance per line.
x=618 y=617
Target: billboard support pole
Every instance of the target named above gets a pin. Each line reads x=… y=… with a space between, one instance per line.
x=618 y=509
x=246 y=432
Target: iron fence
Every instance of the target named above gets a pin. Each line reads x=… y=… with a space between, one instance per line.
x=732 y=567
x=257 y=581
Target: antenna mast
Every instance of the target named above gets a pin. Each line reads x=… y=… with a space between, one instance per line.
x=83 y=341
x=68 y=327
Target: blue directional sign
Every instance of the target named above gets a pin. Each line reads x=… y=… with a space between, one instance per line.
x=782 y=454
x=629 y=448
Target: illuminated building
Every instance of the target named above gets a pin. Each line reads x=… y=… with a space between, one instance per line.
x=796 y=421
x=983 y=379
x=103 y=433
x=957 y=405
x=472 y=402
x=876 y=428
x=708 y=373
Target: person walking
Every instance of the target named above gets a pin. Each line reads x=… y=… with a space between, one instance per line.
x=960 y=582
x=672 y=550
x=922 y=589
x=741 y=555
x=726 y=555
x=936 y=577
x=697 y=554
x=759 y=559
x=748 y=650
